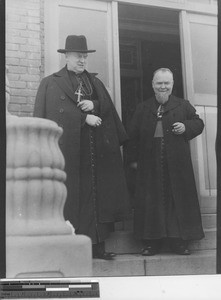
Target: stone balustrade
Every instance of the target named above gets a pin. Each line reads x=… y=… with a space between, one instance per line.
x=35 y=189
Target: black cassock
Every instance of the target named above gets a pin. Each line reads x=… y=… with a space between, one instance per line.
x=168 y=225
x=166 y=201
x=96 y=186
x=88 y=212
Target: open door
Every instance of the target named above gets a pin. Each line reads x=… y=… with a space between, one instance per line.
x=149 y=39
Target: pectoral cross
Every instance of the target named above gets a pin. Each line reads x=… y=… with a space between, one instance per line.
x=79 y=93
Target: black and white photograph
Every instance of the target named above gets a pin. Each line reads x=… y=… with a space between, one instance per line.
x=111 y=131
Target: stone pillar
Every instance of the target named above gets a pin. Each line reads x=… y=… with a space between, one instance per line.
x=39 y=243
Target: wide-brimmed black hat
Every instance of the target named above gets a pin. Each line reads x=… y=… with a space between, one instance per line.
x=76 y=43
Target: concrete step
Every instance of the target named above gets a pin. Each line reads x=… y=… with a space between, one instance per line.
x=123 y=242
x=209 y=221
x=198 y=263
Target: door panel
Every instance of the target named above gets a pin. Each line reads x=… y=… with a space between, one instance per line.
x=205 y=159
x=94 y=19
x=75 y=20
x=199 y=57
x=203 y=37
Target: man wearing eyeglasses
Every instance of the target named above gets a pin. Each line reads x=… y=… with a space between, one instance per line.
x=166 y=202
x=92 y=134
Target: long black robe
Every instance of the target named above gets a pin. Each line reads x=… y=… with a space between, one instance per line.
x=149 y=210
x=56 y=100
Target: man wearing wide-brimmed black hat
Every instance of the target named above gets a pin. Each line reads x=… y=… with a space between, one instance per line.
x=92 y=135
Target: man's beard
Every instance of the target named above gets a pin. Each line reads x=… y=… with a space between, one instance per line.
x=162 y=97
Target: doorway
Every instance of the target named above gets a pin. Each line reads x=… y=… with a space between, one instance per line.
x=149 y=39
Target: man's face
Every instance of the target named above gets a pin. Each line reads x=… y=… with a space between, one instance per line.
x=162 y=85
x=76 y=61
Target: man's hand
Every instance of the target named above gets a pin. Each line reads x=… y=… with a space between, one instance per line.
x=92 y=120
x=178 y=128
x=86 y=105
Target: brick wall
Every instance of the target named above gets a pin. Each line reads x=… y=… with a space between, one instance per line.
x=24 y=53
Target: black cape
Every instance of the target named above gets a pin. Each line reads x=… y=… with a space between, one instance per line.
x=56 y=101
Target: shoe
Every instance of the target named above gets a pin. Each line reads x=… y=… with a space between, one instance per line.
x=149 y=251
x=104 y=255
x=180 y=247
x=99 y=252
x=151 y=247
x=182 y=250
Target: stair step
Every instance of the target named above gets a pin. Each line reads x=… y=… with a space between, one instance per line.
x=198 y=263
x=123 y=242
x=209 y=221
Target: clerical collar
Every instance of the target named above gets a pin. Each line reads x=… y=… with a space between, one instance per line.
x=74 y=73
